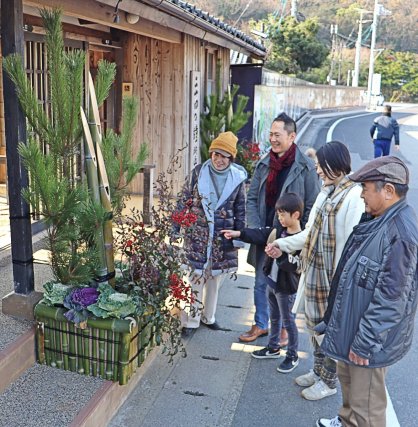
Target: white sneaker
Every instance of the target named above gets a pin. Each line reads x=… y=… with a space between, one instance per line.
x=325 y=422
x=308 y=379
x=318 y=391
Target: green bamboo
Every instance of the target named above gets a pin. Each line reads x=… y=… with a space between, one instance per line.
x=65 y=348
x=57 y=344
x=40 y=342
x=109 y=355
x=102 y=352
x=48 y=342
x=80 y=351
x=86 y=350
x=93 y=184
x=116 y=348
x=116 y=325
x=124 y=358
x=94 y=344
x=72 y=348
x=104 y=188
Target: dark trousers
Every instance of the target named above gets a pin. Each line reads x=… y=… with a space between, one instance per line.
x=280 y=305
x=381 y=147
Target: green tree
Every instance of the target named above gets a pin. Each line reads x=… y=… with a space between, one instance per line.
x=294 y=45
x=399 y=72
x=221 y=114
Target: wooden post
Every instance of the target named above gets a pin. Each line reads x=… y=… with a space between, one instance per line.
x=20 y=302
x=148 y=171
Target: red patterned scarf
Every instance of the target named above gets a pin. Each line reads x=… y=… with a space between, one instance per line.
x=276 y=165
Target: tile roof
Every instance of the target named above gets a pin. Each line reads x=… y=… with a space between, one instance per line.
x=217 y=23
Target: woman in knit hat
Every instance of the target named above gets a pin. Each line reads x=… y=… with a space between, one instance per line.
x=216 y=192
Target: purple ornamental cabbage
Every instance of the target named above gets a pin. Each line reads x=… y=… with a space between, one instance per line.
x=77 y=301
x=85 y=296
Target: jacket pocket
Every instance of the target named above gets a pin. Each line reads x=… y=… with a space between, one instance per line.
x=367 y=273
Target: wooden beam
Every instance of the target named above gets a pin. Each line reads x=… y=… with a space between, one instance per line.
x=103 y=14
x=36 y=21
x=12 y=41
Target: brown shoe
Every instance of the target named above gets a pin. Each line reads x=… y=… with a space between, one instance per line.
x=253 y=334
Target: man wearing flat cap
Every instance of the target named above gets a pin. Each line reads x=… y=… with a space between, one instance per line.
x=373 y=299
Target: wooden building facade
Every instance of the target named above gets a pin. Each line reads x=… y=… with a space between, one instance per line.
x=166 y=53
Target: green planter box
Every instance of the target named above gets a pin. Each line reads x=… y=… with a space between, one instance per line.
x=108 y=348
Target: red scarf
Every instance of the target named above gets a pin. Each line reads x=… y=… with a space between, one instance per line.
x=276 y=165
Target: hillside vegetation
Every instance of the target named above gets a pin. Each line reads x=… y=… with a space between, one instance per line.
x=404 y=15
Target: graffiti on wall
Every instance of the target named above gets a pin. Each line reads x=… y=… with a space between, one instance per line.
x=268 y=103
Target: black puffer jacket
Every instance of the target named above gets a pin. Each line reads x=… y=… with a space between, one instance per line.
x=288 y=276
x=230 y=215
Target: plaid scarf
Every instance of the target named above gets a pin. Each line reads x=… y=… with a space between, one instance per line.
x=318 y=254
x=276 y=165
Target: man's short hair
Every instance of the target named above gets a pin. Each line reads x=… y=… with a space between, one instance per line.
x=400 y=189
x=289 y=123
x=290 y=202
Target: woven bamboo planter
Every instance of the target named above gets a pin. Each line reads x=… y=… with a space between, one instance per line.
x=110 y=349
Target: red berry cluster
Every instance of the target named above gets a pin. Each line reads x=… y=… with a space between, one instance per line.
x=252 y=151
x=180 y=290
x=184 y=218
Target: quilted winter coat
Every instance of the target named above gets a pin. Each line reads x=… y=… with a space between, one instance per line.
x=208 y=249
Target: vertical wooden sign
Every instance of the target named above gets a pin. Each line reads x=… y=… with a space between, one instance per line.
x=194 y=131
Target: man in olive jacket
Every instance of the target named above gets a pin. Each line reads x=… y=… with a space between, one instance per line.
x=282 y=170
x=373 y=298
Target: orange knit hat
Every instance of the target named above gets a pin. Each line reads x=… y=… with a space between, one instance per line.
x=225 y=143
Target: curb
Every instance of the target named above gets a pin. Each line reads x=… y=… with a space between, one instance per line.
x=104 y=404
x=17 y=358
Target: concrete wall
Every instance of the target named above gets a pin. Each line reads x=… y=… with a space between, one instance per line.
x=269 y=101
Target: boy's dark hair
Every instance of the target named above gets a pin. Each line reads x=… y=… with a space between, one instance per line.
x=289 y=123
x=290 y=202
x=334 y=158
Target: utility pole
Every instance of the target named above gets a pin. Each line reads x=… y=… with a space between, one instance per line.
x=372 y=48
x=358 y=50
x=334 y=32
x=293 y=8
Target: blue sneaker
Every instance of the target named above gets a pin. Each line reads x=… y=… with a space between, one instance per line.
x=267 y=353
x=288 y=364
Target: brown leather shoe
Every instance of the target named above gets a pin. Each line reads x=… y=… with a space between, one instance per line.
x=253 y=334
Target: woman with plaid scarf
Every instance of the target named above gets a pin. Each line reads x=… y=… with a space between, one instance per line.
x=336 y=211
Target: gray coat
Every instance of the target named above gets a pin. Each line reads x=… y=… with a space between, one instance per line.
x=374 y=294
x=302 y=179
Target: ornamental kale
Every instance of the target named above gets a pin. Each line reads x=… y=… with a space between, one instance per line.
x=77 y=301
x=112 y=304
x=55 y=293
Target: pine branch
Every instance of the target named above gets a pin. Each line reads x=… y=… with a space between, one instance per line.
x=105 y=78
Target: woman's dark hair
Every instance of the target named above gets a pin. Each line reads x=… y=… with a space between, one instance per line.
x=289 y=123
x=290 y=202
x=334 y=158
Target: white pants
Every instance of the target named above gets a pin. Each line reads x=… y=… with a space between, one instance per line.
x=207 y=293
